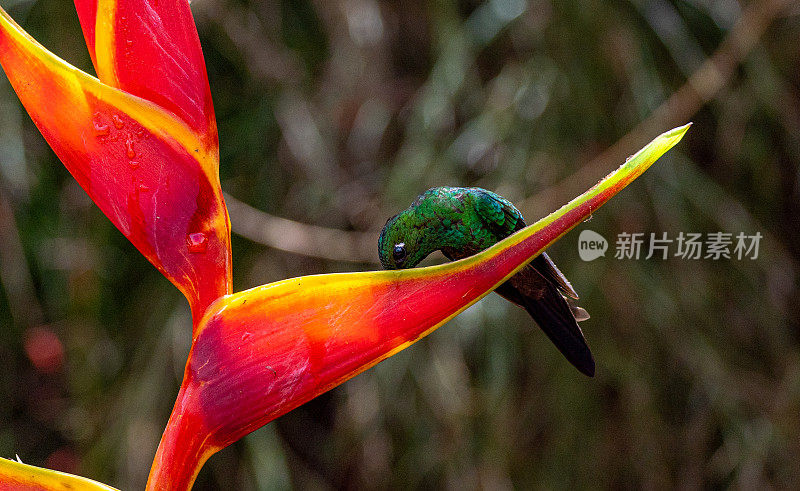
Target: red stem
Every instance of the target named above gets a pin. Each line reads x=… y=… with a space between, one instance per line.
x=184 y=447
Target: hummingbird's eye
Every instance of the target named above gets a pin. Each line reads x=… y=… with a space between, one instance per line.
x=399 y=253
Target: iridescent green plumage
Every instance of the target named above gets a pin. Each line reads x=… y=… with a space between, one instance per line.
x=461 y=222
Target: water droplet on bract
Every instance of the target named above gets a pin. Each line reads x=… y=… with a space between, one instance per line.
x=197 y=242
x=246 y=336
x=134 y=164
x=129 y=42
x=100 y=129
x=129 y=149
x=118 y=122
x=143 y=188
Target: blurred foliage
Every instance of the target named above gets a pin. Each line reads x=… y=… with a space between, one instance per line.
x=338 y=114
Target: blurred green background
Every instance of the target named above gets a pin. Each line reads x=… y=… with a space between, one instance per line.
x=337 y=114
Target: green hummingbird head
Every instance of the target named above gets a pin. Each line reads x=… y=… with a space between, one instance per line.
x=402 y=242
x=428 y=225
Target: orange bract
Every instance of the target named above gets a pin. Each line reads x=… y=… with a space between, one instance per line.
x=152 y=173
x=260 y=353
x=17 y=476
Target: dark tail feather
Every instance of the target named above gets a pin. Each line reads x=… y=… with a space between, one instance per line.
x=547 y=268
x=555 y=318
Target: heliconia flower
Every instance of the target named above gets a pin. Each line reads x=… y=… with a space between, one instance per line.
x=262 y=352
x=15 y=475
x=141 y=139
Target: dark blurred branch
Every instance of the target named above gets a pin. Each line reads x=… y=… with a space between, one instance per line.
x=701 y=87
x=302 y=238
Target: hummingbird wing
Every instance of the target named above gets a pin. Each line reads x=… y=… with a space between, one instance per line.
x=502 y=218
x=539 y=286
x=497 y=213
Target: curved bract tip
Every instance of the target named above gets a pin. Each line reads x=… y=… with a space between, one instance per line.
x=150 y=48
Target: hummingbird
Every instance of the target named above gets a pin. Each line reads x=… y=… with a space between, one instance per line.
x=461 y=222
